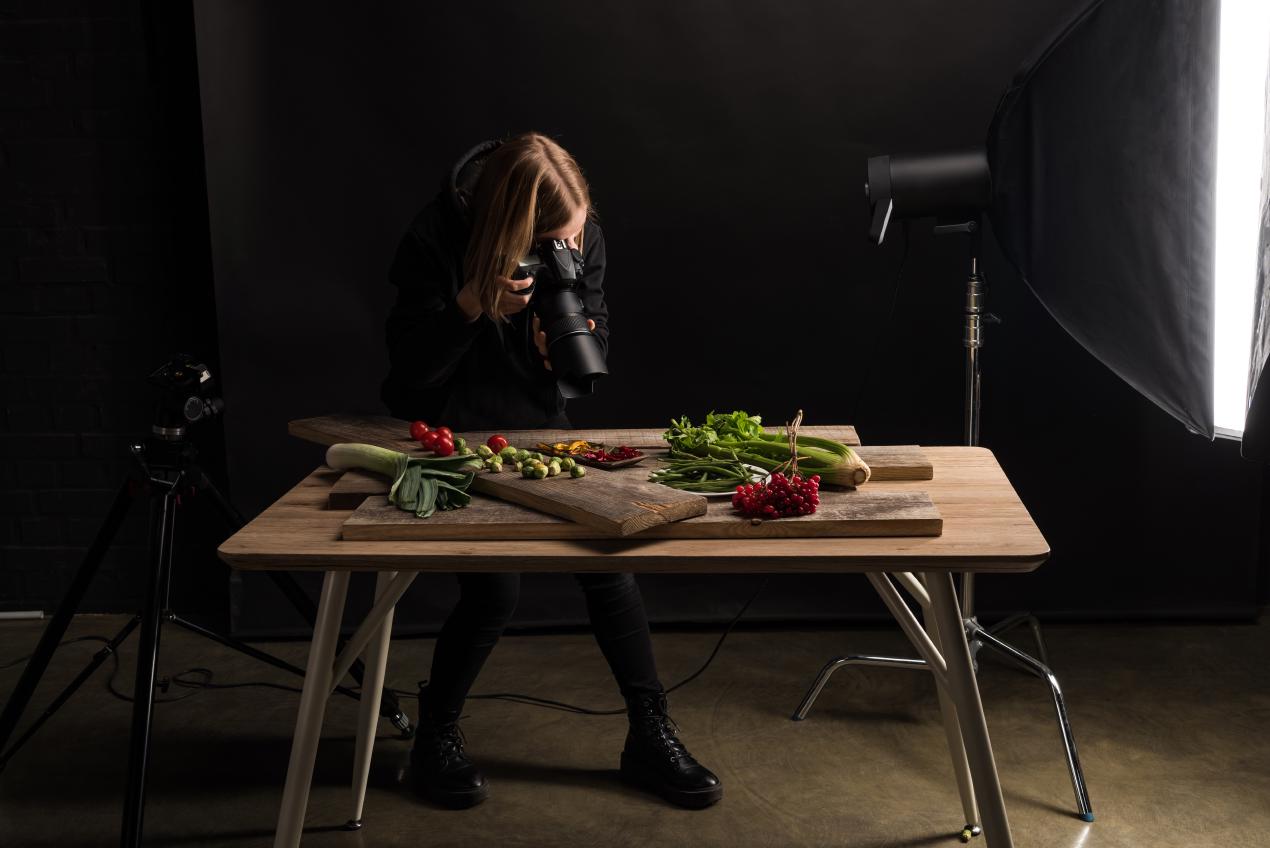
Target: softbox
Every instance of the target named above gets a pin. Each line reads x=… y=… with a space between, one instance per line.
x=1256 y=441
x=1103 y=162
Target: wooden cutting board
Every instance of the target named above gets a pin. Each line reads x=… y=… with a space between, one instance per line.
x=841 y=513
x=897 y=462
x=394 y=433
x=887 y=462
x=609 y=505
x=615 y=504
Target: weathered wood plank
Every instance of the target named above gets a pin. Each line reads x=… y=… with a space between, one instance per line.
x=895 y=462
x=620 y=503
x=394 y=433
x=843 y=514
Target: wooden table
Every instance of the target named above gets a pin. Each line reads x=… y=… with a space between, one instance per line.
x=986 y=529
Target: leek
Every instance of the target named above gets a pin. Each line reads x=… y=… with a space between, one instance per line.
x=420 y=484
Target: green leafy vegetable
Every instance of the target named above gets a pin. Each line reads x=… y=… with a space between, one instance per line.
x=740 y=436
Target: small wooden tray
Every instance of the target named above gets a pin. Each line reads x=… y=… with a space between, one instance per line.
x=607 y=466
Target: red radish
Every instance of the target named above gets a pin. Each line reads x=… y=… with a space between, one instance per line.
x=444 y=447
x=429 y=440
x=417 y=429
x=496 y=443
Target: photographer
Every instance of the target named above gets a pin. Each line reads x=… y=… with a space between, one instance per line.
x=465 y=352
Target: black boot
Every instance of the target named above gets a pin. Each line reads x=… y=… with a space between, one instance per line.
x=441 y=772
x=655 y=759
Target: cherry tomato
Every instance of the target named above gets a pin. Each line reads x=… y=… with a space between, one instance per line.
x=417 y=429
x=429 y=440
x=496 y=443
x=444 y=447
x=447 y=432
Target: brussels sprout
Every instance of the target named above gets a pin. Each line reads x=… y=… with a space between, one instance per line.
x=577 y=471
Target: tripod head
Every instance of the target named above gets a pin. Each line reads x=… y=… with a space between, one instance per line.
x=187 y=396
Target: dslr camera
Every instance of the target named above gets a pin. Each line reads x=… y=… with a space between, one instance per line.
x=555 y=297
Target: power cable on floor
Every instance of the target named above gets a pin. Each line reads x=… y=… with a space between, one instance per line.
x=204 y=681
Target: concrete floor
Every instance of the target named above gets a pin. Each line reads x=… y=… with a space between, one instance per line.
x=1171 y=722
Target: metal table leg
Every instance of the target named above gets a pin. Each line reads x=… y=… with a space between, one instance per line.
x=963 y=690
x=956 y=745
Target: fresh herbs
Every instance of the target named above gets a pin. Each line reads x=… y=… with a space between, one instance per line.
x=740 y=436
x=421 y=485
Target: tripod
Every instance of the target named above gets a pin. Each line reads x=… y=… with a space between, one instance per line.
x=978 y=636
x=166 y=471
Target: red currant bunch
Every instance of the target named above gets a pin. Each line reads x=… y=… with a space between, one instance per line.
x=778 y=497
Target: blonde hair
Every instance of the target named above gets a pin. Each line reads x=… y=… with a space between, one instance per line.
x=529 y=185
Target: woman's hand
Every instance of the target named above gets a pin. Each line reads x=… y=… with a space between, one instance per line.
x=510 y=301
x=540 y=339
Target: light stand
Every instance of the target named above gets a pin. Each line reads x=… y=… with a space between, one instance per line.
x=956 y=187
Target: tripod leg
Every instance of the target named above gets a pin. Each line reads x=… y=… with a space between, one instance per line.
x=162 y=526
x=1074 y=770
x=833 y=665
x=376 y=664
x=107 y=651
x=254 y=653
x=56 y=629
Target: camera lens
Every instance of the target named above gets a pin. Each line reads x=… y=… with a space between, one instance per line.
x=576 y=357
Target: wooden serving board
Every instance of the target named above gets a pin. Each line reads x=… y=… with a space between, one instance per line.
x=615 y=504
x=887 y=462
x=610 y=505
x=394 y=433
x=895 y=462
x=841 y=513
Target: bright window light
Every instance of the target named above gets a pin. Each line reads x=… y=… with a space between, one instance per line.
x=1241 y=129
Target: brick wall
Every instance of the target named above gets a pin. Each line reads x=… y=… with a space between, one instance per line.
x=100 y=189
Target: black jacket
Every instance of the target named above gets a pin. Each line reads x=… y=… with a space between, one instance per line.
x=482 y=375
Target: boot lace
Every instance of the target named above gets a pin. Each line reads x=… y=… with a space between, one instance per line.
x=448 y=741
x=662 y=732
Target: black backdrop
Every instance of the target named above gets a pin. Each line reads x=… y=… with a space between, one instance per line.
x=725 y=144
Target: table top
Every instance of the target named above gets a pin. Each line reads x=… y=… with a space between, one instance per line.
x=986 y=529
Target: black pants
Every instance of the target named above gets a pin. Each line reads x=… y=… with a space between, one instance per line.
x=486 y=604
